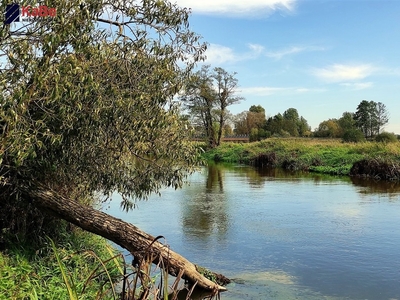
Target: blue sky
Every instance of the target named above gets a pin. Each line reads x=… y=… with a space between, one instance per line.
x=321 y=57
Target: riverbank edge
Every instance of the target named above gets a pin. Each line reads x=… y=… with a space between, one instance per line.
x=326 y=156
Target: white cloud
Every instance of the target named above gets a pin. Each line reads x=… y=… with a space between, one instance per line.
x=302 y=90
x=261 y=90
x=358 y=85
x=256 y=49
x=291 y=50
x=338 y=72
x=266 y=91
x=279 y=54
x=218 y=54
x=238 y=8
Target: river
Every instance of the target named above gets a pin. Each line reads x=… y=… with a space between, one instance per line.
x=282 y=235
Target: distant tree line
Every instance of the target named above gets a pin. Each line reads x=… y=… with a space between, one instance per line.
x=367 y=122
x=209 y=93
x=255 y=124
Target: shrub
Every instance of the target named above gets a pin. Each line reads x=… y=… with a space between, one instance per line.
x=254 y=135
x=284 y=133
x=386 y=137
x=353 y=136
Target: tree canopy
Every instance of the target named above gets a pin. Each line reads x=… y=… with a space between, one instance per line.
x=87 y=98
x=251 y=123
x=87 y=106
x=207 y=97
x=371 y=117
x=288 y=124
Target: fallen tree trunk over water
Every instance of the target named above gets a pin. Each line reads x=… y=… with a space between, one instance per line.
x=122 y=233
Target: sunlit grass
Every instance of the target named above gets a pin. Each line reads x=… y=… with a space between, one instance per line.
x=329 y=156
x=60 y=270
x=85 y=266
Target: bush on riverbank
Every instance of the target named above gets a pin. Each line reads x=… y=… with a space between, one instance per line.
x=353 y=136
x=386 y=137
x=329 y=156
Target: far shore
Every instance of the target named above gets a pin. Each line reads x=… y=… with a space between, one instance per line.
x=376 y=160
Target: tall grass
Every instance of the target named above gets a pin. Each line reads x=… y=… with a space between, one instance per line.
x=59 y=270
x=85 y=266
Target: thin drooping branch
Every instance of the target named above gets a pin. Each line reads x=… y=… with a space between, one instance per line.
x=122 y=233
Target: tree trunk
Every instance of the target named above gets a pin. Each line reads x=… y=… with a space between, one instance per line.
x=221 y=125
x=122 y=233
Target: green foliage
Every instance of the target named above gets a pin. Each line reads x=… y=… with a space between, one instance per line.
x=288 y=124
x=81 y=266
x=71 y=288
x=228 y=152
x=386 y=137
x=206 y=273
x=353 y=136
x=329 y=128
x=240 y=122
x=254 y=135
x=82 y=258
x=335 y=128
x=346 y=122
x=370 y=117
x=257 y=109
x=87 y=102
x=206 y=97
x=251 y=123
x=328 y=156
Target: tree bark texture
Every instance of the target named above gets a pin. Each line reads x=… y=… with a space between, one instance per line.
x=122 y=233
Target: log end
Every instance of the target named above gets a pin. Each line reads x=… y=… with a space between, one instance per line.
x=218 y=280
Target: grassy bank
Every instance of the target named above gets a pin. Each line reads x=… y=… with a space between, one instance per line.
x=78 y=266
x=81 y=265
x=327 y=156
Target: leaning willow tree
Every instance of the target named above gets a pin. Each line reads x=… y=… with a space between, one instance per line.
x=86 y=107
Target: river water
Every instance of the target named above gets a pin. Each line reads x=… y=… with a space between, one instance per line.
x=282 y=235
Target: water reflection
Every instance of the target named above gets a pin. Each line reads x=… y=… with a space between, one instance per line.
x=257 y=177
x=298 y=176
x=284 y=235
x=205 y=208
x=371 y=186
x=215 y=179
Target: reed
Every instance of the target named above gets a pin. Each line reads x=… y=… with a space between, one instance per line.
x=84 y=266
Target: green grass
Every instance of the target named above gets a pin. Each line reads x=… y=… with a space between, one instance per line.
x=81 y=267
x=328 y=156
